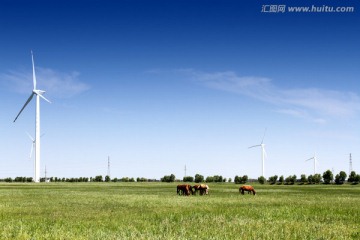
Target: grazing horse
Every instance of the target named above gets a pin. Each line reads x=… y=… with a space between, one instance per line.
x=202 y=188
x=184 y=189
x=247 y=188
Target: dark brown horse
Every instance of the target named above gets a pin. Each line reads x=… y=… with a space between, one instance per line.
x=202 y=188
x=247 y=188
x=184 y=189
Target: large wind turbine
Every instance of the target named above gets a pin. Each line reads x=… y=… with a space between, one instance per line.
x=39 y=94
x=263 y=153
x=315 y=160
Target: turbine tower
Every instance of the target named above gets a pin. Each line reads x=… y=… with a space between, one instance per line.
x=39 y=94
x=263 y=153
x=315 y=159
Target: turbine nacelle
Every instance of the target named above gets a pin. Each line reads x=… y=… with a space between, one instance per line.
x=40 y=94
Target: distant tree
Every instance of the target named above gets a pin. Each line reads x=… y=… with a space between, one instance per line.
x=261 y=179
x=218 y=178
x=310 y=179
x=9 y=179
x=273 y=179
x=340 y=178
x=317 y=178
x=229 y=180
x=20 y=179
x=281 y=179
x=328 y=177
x=244 y=179
x=98 y=178
x=352 y=176
x=237 y=179
x=290 y=179
x=107 y=178
x=126 y=179
x=209 y=179
x=188 y=179
x=303 y=179
x=199 y=178
x=357 y=178
x=240 y=180
x=170 y=178
x=163 y=179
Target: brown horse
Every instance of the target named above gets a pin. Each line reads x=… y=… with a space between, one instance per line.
x=247 y=188
x=202 y=188
x=184 y=189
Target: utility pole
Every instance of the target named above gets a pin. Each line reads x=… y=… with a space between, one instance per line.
x=45 y=173
x=108 y=171
x=350 y=165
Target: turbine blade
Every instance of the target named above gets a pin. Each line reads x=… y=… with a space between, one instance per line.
x=44 y=98
x=31 y=138
x=255 y=146
x=33 y=67
x=29 y=99
x=309 y=159
x=265 y=154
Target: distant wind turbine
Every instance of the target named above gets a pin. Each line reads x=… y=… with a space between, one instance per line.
x=39 y=94
x=315 y=161
x=263 y=153
x=33 y=143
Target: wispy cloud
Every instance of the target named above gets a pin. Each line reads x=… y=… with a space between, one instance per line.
x=309 y=103
x=55 y=83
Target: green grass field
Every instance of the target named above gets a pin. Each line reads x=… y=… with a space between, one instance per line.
x=154 y=211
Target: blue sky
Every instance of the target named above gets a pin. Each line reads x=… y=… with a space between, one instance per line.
x=157 y=85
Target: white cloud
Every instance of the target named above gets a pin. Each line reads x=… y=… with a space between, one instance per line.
x=56 y=84
x=309 y=103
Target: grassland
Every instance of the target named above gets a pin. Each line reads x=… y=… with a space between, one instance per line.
x=154 y=211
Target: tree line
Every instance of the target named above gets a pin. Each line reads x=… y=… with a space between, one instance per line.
x=327 y=177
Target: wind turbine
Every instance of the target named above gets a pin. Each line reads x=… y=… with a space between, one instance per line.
x=33 y=143
x=315 y=160
x=263 y=152
x=39 y=94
